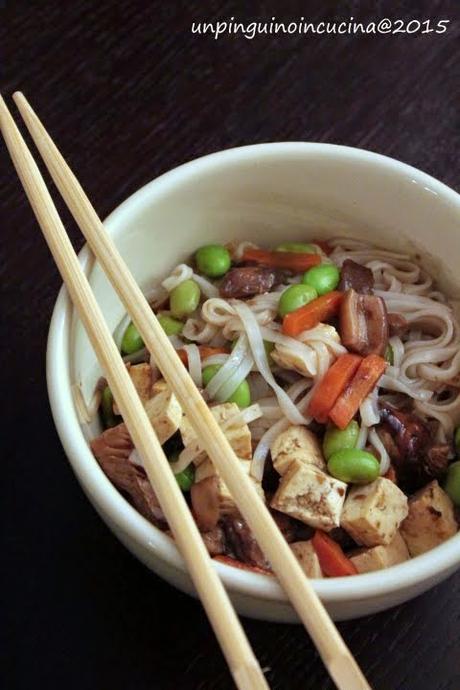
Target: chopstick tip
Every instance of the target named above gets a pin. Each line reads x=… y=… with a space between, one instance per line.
x=18 y=96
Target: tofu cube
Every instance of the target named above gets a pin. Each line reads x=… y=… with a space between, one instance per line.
x=159 y=386
x=296 y=443
x=308 y=494
x=306 y=555
x=165 y=414
x=238 y=435
x=430 y=521
x=373 y=512
x=141 y=376
x=226 y=502
x=380 y=557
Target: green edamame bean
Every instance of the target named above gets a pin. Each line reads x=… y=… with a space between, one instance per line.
x=457 y=440
x=184 y=298
x=336 y=439
x=109 y=419
x=209 y=372
x=213 y=260
x=452 y=484
x=294 y=297
x=297 y=247
x=323 y=279
x=241 y=395
x=354 y=465
x=169 y=325
x=390 y=355
x=186 y=478
x=131 y=341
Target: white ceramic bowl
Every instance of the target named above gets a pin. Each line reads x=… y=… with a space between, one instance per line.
x=267 y=193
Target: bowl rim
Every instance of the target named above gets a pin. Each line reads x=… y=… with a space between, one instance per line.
x=106 y=497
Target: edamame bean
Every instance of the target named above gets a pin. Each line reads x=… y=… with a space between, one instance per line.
x=213 y=260
x=336 y=439
x=297 y=247
x=184 y=298
x=241 y=395
x=109 y=419
x=169 y=325
x=452 y=484
x=294 y=297
x=457 y=440
x=390 y=355
x=186 y=478
x=354 y=465
x=323 y=279
x=131 y=341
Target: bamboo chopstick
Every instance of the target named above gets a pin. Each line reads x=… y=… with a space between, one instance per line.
x=337 y=658
x=235 y=646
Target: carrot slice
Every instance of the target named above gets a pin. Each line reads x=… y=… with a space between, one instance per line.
x=205 y=351
x=333 y=561
x=291 y=261
x=347 y=405
x=309 y=316
x=334 y=382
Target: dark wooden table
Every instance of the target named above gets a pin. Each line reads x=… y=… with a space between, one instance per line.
x=128 y=92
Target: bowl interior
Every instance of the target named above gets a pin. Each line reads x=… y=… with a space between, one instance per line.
x=265 y=193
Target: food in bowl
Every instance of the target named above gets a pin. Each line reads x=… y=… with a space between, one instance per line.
x=334 y=371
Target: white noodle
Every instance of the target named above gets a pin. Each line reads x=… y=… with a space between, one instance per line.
x=206 y=287
x=238 y=360
x=377 y=444
x=260 y=356
x=194 y=364
x=156 y=296
x=369 y=409
x=181 y=272
x=263 y=448
x=362 y=437
x=220 y=358
x=198 y=330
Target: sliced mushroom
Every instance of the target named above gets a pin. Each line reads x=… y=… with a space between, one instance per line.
x=248 y=281
x=363 y=323
x=356 y=277
x=397 y=324
x=242 y=543
x=205 y=503
x=408 y=440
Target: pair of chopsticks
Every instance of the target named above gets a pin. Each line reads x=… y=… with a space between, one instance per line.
x=241 y=660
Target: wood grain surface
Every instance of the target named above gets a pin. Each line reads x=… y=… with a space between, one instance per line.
x=128 y=92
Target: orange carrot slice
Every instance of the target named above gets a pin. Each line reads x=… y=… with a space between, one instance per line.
x=367 y=375
x=310 y=315
x=291 y=261
x=333 y=561
x=334 y=382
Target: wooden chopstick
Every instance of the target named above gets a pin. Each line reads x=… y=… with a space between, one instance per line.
x=338 y=660
x=235 y=646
